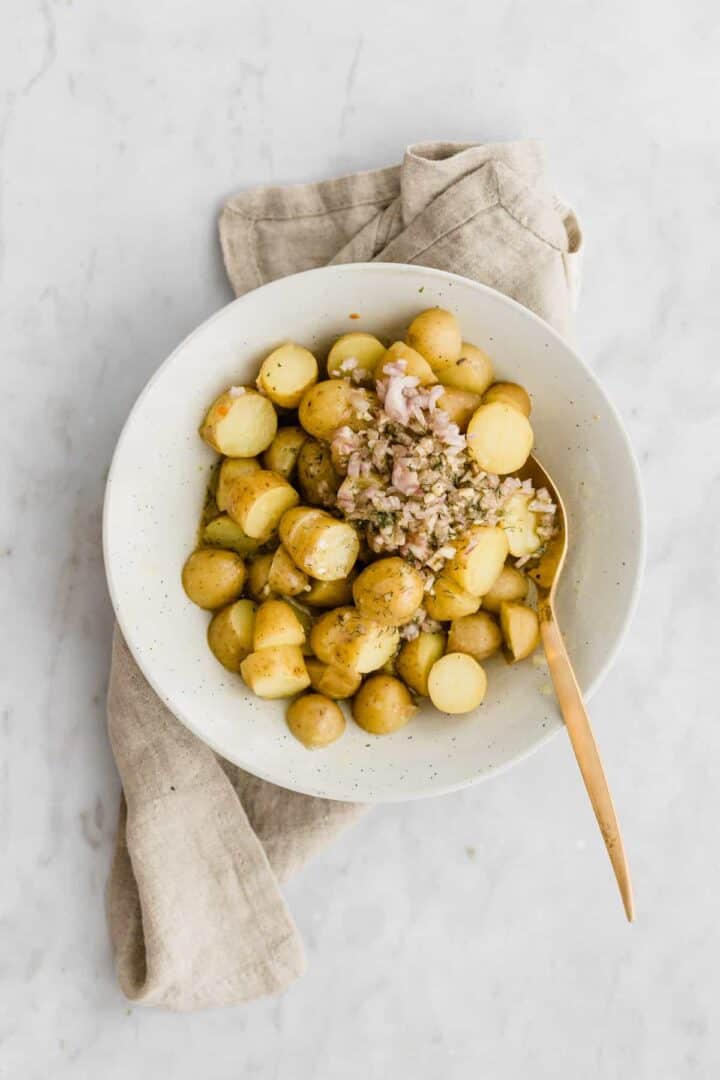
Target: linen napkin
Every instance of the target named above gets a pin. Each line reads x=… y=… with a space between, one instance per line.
x=195 y=910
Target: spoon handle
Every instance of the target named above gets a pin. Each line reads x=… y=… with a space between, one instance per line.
x=586 y=751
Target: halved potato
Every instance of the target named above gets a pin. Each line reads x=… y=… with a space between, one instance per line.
x=448 y=600
x=520 y=628
x=389 y=591
x=510 y=585
x=477 y=635
x=520 y=524
x=287 y=373
x=364 y=349
x=436 y=336
x=276 y=623
x=415 y=364
x=415 y=659
x=315 y=720
x=329 y=594
x=282 y=453
x=276 y=672
x=382 y=705
x=229 y=471
x=258 y=578
x=456 y=683
x=334 y=681
x=230 y=633
x=319 y=544
x=345 y=639
x=460 y=405
x=240 y=423
x=473 y=371
x=331 y=404
x=479 y=557
x=510 y=393
x=499 y=438
x=284 y=576
x=225 y=533
x=317 y=478
x=212 y=577
x=258 y=502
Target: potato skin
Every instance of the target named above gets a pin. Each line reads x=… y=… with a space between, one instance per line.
x=499 y=438
x=276 y=672
x=345 y=639
x=282 y=453
x=277 y=623
x=230 y=633
x=240 y=426
x=457 y=683
x=435 y=334
x=334 y=682
x=364 y=348
x=315 y=721
x=317 y=479
x=284 y=576
x=479 y=558
x=415 y=659
x=521 y=630
x=225 y=533
x=258 y=502
x=213 y=577
x=415 y=364
x=258 y=578
x=330 y=594
x=510 y=394
x=460 y=405
x=472 y=371
x=389 y=591
x=476 y=635
x=229 y=471
x=287 y=373
x=331 y=404
x=449 y=600
x=321 y=545
x=511 y=585
x=382 y=705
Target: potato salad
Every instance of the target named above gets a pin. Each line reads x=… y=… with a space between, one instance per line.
x=368 y=529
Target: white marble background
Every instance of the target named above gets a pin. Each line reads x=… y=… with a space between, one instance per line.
x=479 y=934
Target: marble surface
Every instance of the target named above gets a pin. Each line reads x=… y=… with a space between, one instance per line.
x=478 y=934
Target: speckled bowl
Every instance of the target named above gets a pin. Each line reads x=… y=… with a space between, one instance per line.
x=156 y=488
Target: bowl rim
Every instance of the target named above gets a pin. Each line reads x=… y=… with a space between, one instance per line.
x=448 y=277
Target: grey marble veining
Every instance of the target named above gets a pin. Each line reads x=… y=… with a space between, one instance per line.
x=475 y=935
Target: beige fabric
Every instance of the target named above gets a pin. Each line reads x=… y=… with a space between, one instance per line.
x=196 y=915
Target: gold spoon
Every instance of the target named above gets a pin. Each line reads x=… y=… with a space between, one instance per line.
x=546 y=577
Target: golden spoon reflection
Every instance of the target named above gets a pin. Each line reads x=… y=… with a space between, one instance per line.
x=546 y=577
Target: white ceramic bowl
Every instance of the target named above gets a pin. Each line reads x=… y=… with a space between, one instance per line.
x=157 y=484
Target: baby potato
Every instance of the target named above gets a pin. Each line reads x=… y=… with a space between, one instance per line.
x=258 y=502
x=225 y=533
x=435 y=334
x=382 y=705
x=520 y=524
x=212 y=577
x=499 y=438
x=317 y=478
x=511 y=585
x=521 y=630
x=331 y=404
x=229 y=471
x=345 y=639
x=389 y=591
x=479 y=557
x=509 y=393
x=230 y=633
x=276 y=672
x=476 y=635
x=322 y=546
x=286 y=374
x=415 y=364
x=284 y=577
x=460 y=405
x=330 y=594
x=315 y=720
x=456 y=683
x=473 y=371
x=448 y=600
x=415 y=659
x=364 y=349
x=334 y=682
x=282 y=453
x=276 y=623
x=258 y=578
x=240 y=423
